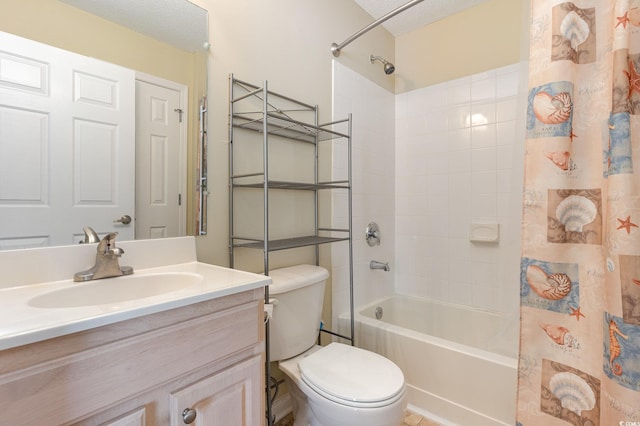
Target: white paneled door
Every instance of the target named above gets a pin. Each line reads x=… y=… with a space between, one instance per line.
x=159 y=151
x=67 y=145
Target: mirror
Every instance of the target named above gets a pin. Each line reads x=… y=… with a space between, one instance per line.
x=161 y=42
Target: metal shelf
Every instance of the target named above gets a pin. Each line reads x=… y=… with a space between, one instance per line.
x=256 y=109
x=280 y=125
x=288 y=243
x=301 y=186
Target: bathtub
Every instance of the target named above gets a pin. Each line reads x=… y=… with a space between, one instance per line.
x=459 y=363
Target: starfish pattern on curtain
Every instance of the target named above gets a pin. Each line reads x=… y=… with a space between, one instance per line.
x=579 y=357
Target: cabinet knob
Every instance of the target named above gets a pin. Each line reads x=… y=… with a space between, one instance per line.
x=189 y=415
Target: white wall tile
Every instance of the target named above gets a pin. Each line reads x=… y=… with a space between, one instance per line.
x=484 y=206
x=505 y=179
x=480 y=139
x=460 y=271
x=507 y=82
x=377 y=114
x=459 y=139
x=483 y=112
x=458 y=116
x=438 y=184
x=483 y=88
x=460 y=247
x=460 y=293
x=435 y=121
x=483 y=136
x=435 y=163
x=483 y=159
x=506 y=132
x=503 y=204
x=484 y=182
x=444 y=171
x=459 y=226
x=459 y=91
x=506 y=109
x=459 y=161
x=504 y=158
x=436 y=142
x=485 y=253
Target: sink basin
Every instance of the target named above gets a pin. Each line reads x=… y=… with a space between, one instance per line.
x=115 y=290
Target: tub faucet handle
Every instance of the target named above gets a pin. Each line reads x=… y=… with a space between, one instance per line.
x=372 y=234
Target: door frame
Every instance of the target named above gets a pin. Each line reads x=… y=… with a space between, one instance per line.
x=184 y=129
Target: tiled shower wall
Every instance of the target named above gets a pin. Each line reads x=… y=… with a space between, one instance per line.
x=457 y=164
x=373 y=172
x=426 y=165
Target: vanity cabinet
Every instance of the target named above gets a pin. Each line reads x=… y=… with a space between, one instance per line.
x=231 y=397
x=201 y=364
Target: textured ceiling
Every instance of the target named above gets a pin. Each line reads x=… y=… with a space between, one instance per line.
x=417 y=16
x=184 y=25
x=177 y=22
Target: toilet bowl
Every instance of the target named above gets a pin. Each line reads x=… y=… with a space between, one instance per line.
x=333 y=385
x=341 y=385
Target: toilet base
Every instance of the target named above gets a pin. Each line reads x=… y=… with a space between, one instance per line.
x=312 y=409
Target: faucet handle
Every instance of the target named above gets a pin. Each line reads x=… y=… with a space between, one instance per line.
x=115 y=251
x=108 y=244
x=110 y=237
x=90 y=236
x=111 y=245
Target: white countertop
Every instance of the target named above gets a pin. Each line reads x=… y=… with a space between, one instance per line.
x=22 y=323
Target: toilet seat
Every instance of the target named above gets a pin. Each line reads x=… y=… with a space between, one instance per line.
x=351 y=376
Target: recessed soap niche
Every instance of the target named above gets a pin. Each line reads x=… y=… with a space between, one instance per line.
x=484 y=233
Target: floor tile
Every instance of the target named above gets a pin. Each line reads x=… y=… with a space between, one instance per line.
x=410 y=419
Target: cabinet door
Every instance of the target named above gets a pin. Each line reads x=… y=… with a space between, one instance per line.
x=136 y=418
x=231 y=397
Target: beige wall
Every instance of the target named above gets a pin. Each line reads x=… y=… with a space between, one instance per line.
x=60 y=25
x=286 y=42
x=481 y=38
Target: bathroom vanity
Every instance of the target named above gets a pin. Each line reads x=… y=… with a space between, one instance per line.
x=187 y=355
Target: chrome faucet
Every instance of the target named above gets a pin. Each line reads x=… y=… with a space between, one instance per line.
x=107 y=261
x=374 y=264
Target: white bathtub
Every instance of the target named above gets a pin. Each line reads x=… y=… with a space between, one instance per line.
x=459 y=363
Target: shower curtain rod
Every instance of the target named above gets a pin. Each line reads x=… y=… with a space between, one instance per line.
x=335 y=48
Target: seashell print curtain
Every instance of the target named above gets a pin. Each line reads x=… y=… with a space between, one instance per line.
x=580 y=268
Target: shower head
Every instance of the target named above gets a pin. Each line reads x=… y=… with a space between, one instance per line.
x=388 y=66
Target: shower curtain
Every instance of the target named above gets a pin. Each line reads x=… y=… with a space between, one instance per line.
x=580 y=267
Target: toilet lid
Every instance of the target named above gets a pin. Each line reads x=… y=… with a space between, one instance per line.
x=349 y=375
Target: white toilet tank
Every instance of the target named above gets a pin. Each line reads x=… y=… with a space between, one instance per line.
x=297 y=295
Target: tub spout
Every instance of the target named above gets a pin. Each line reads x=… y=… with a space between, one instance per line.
x=374 y=264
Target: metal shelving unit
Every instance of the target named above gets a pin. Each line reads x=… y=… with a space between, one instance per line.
x=256 y=109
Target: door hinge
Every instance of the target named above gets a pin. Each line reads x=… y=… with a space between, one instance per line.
x=179 y=111
x=179 y=199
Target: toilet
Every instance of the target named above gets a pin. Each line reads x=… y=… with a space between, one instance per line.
x=333 y=385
